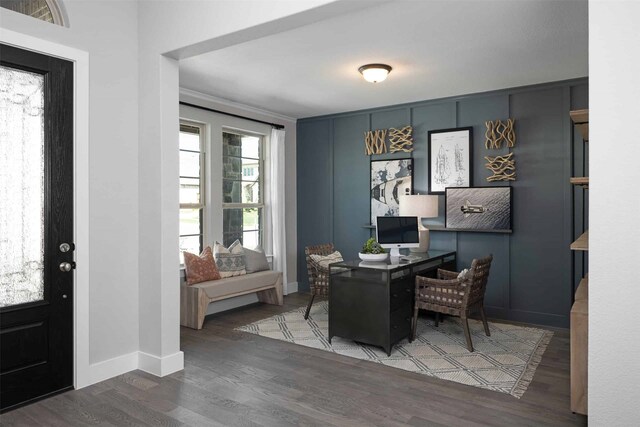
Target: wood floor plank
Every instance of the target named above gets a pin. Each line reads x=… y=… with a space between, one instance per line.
x=233 y=378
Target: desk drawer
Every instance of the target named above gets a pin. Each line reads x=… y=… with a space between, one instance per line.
x=401 y=294
x=400 y=323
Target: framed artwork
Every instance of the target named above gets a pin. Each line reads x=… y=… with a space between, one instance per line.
x=450 y=159
x=389 y=179
x=479 y=208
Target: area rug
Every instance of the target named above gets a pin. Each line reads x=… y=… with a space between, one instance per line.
x=504 y=362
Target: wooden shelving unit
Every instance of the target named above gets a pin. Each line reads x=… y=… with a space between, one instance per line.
x=580 y=180
x=579 y=315
x=583 y=289
x=581 y=243
x=579 y=116
x=442 y=228
x=581 y=120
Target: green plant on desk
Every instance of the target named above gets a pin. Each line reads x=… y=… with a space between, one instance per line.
x=372 y=247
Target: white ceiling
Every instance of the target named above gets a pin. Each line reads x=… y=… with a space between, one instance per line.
x=436 y=48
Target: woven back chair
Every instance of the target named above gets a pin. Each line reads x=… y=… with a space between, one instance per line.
x=456 y=297
x=318 y=275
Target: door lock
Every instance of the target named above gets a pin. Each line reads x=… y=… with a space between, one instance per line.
x=66 y=247
x=67 y=266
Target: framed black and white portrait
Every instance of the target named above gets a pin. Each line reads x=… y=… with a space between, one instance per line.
x=450 y=159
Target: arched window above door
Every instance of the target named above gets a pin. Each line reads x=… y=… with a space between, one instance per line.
x=45 y=10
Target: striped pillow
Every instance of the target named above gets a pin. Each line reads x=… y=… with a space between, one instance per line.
x=230 y=261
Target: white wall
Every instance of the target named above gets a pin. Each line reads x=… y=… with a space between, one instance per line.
x=113 y=163
x=614 y=235
x=173 y=26
x=133 y=120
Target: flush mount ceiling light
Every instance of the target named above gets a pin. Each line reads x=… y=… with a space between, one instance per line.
x=375 y=73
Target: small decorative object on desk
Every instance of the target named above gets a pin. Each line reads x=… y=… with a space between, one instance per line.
x=372 y=251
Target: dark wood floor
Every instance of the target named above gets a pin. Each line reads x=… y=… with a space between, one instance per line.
x=233 y=378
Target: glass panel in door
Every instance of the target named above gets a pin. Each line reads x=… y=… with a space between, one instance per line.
x=21 y=187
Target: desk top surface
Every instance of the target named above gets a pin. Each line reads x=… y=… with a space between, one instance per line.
x=395 y=263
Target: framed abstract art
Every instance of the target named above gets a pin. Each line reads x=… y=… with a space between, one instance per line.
x=389 y=179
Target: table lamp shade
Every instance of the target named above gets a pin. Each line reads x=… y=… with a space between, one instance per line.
x=419 y=205
x=422 y=206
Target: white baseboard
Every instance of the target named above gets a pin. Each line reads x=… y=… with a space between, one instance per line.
x=292 y=288
x=160 y=366
x=113 y=367
x=137 y=360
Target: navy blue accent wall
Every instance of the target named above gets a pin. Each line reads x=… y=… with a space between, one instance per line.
x=533 y=272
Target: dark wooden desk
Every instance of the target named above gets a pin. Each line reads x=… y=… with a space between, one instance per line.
x=372 y=303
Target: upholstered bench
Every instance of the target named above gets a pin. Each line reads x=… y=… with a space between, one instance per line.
x=194 y=299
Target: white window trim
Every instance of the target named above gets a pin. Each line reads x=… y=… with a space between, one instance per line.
x=215 y=124
x=203 y=179
x=262 y=169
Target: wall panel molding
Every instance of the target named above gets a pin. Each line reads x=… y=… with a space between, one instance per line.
x=532 y=279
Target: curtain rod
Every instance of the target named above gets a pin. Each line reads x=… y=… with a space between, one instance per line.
x=275 y=125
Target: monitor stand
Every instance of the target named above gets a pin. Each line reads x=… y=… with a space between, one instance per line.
x=395 y=253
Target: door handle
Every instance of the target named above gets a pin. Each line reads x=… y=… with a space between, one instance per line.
x=66 y=247
x=67 y=266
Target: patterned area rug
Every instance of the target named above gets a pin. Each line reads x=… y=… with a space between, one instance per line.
x=504 y=362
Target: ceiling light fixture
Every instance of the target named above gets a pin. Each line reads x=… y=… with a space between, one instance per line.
x=375 y=73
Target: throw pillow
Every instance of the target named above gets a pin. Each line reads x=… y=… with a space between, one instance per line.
x=464 y=275
x=200 y=268
x=255 y=260
x=324 y=260
x=230 y=261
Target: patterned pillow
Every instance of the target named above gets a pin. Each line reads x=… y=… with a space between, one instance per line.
x=230 y=261
x=200 y=268
x=323 y=261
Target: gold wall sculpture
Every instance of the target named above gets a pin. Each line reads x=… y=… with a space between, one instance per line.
x=374 y=141
x=401 y=139
x=503 y=168
x=498 y=132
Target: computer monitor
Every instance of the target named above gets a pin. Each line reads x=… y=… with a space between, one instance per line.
x=396 y=232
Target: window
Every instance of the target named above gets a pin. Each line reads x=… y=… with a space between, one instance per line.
x=191 y=194
x=242 y=188
x=45 y=10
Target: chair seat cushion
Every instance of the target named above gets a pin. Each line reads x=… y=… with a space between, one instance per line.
x=323 y=261
x=238 y=284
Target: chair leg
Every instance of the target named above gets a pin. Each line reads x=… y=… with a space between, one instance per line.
x=467 y=334
x=484 y=321
x=437 y=320
x=306 y=315
x=414 y=324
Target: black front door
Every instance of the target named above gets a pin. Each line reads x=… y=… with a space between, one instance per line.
x=36 y=226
